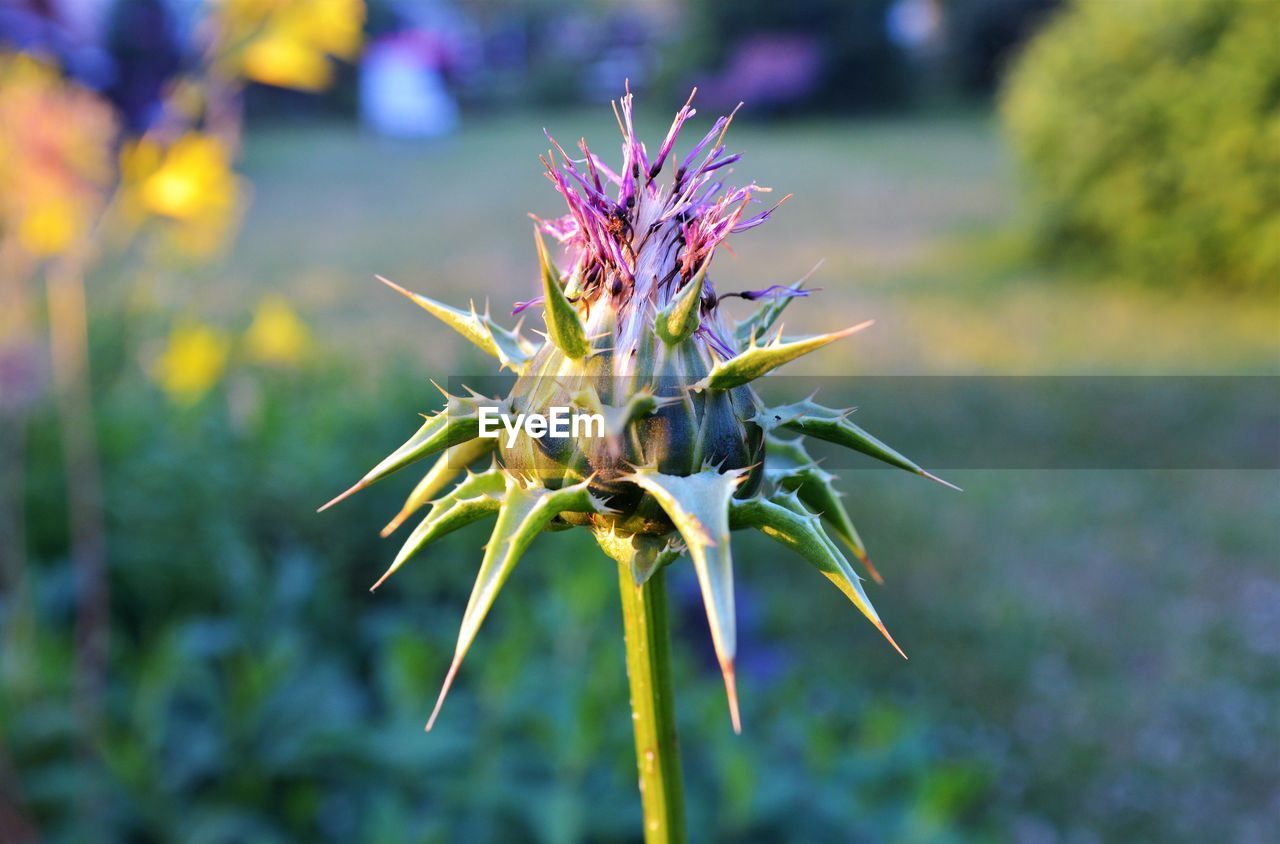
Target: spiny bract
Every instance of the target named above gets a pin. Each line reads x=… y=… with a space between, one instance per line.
x=634 y=334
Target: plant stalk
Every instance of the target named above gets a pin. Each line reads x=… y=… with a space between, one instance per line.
x=19 y=390
x=644 y=616
x=69 y=358
x=68 y=341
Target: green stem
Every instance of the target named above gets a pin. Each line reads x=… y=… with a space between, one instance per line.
x=644 y=616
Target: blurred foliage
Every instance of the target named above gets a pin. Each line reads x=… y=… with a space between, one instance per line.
x=1149 y=133
x=861 y=67
x=1063 y=682
x=983 y=35
x=258 y=692
x=174 y=125
x=1093 y=654
x=289 y=43
x=55 y=156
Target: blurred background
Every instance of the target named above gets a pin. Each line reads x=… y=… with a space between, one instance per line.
x=194 y=197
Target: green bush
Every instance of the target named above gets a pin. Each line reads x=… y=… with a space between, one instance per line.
x=1150 y=134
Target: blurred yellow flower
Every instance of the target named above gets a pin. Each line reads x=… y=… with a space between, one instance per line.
x=192 y=177
x=55 y=156
x=192 y=363
x=190 y=183
x=280 y=60
x=277 y=335
x=50 y=225
x=289 y=43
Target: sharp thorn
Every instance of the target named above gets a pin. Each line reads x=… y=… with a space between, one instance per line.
x=394 y=524
x=871 y=570
x=442 y=390
x=800 y=281
x=389 y=283
x=937 y=479
x=854 y=329
x=384 y=577
x=731 y=690
x=359 y=485
x=885 y=631
x=867 y=564
x=448 y=681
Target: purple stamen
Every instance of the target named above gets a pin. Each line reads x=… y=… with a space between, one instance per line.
x=606 y=170
x=751 y=223
x=521 y=307
x=722 y=346
x=591 y=165
x=724 y=162
x=775 y=291
x=706 y=139
x=669 y=142
x=662 y=232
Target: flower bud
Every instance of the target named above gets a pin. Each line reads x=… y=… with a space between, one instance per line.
x=635 y=337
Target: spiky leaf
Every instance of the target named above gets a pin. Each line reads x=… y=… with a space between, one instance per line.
x=698 y=505
x=459 y=422
x=511 y=349
x=759 y=323
x=677 y=322
x=454 y=461
x=787 y=457
x=755 y=361
x=526 y=509
x=564 y=328
x=824 y=423
x=476 y=496
x=791 y=469
x=786 y=520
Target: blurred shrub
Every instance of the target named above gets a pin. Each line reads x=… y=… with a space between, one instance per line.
x=1150 y=134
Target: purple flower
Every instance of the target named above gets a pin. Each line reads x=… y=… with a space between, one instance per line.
x=634 y=240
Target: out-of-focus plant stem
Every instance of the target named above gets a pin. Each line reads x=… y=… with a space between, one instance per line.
x=17 y=389
x=69 y=358
x=644 y=615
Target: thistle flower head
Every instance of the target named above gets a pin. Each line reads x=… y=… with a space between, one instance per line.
x=685 y=451
x=638 y=236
